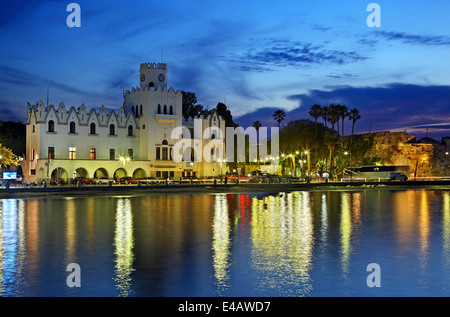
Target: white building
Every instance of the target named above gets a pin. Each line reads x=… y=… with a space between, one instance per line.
x=135 y=140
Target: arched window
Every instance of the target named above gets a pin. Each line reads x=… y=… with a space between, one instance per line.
x=165 y=109
x=159 y=108
x=170 y=109
x=164 y=142
x=141 y=110
x=132 y=109
x=112 y=129
x=130 y=130
x=137 y=111
x=51 y=126
x=151 y=84
x=92 y=128
x=72 y=127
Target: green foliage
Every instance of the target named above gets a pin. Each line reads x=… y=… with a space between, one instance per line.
x=13 y=136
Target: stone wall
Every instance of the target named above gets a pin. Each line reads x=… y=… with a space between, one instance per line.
x=425 y=157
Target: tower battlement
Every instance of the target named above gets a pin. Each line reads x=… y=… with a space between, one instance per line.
x=161 y=66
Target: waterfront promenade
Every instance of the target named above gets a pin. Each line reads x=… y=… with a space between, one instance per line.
x=19 y=191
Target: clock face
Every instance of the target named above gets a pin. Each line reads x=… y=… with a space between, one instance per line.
x=161 y=77
x=142 y=77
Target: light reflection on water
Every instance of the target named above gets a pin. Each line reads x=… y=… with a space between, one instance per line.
x=282 y=244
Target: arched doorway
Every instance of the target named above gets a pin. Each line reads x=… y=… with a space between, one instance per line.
x=81 y=172
x=59 y=175
x=100 y=172
x=139 y=173
x=119 y=173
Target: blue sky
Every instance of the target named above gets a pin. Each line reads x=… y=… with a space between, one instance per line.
x=257 y=56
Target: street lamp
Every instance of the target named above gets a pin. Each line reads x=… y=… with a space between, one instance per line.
x=309 y=163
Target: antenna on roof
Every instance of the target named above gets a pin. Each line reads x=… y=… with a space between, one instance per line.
x=47 y=94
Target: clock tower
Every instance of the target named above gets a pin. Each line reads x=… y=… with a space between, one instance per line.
x=153 y=75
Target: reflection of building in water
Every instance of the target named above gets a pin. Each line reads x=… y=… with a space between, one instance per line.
x=282 y=236
x=123 y=243
x=12 y=246
x=446 y=227
x=221 y=242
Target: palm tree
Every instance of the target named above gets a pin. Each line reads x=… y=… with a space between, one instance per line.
x=343 y=113
x=257 y=125
x=353 y=116
x=331 y=139
x=325 y=113
x=333 y=116
x=315 y=111
x=279 y=116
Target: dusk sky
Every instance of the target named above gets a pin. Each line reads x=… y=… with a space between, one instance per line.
x=257 y=56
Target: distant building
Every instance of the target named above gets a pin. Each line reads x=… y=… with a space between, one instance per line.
x=135 y=140
x=425 y=157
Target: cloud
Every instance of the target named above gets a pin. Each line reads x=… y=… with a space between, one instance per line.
x=267 y=53
x=415 y=39
x=392 y=107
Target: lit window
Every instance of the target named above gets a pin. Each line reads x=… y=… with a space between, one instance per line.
x=72 y=153
x=51 y=152
x=92 y=154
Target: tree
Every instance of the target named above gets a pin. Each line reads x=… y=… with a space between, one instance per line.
x=325 y=114
x=257 y=125
x=331 y=139
x=7 y=157
x=333 y=116
x=353 y=116
x=343 y=112
x=189 y=104
x=223 y=111
x=279 y=116
x=315 y=111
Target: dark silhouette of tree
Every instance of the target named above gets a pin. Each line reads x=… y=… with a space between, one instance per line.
x=279 y=116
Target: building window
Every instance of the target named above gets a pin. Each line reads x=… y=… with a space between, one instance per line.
x=159 y=108
x=112 y=154
x=92 y=153
x=130 y=130
x=158 y=153
x=158 y=173
x=72 y=127
x=164 y=153
x=33 y=154
x=92 y=128
x=72 y=153
x=143 y=127
x=170 y=109
x=171 y=173
x=165 y=109
x=164 y=142
x=51 y=152
x=140 y=110
x=112 y=129
x=51 y=126
x=130 y=153
x=165 y=174
x=33 y=128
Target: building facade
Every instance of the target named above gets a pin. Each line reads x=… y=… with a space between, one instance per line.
x=136 y=140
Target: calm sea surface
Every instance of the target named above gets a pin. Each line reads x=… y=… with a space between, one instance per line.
x=311 y=243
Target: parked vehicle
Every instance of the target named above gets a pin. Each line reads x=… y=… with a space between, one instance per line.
x=104 y=180
x=211 y=179
x=397 y=176
x=150 y=180
x=128 y=180
x=194 y=179
x=242 y=178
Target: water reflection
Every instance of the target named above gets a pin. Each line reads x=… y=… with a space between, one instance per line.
x=124 y=243
x=282 y=236
x=12 y=246
x=221 y=242
x=446 y=227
